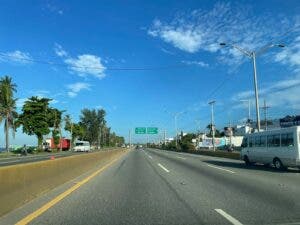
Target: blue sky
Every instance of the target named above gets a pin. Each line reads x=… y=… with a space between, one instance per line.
x=91 y=47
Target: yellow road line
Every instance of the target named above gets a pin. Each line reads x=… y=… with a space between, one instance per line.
x=57 y=199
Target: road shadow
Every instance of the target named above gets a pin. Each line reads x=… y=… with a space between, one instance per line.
x=241 y=165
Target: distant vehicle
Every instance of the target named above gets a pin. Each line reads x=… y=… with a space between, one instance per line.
x=278 y=147
x=64 y=143
x=82 y=146
x=46 y=146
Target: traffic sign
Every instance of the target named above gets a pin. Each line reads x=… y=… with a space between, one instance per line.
x=152 y=130
x=140 y=130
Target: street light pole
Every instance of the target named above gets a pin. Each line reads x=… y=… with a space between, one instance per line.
x=256 y=92
x=212 y=124
x=175 y=118
x=175 y=123
x=253 y=55
x=129 y=139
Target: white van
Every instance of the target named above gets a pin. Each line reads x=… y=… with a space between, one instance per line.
x=278 y=147
x=82 y=146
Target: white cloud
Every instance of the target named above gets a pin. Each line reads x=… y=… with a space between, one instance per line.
x=234 y=23
x=20 y=102
x=87 y=65
x=290 y=55
x=167 y=51
x=83 y=65
x=75 y=88
x=16 y=56
x=197 y=63
x=54 y=101
x=54 y=9
x=182 y=38
x=60 y=51
x=281 y=93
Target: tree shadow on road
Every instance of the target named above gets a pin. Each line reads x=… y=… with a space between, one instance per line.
x=241 y=165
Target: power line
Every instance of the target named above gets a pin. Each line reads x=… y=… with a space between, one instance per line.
x=95 y=68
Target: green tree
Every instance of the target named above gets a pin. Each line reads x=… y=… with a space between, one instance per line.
x=8 y=107
x=217 y=132
x=93 y=123
x=37 y=117
x=102 y=126
x=55 y=119
x=55 y=136
x=76 y=129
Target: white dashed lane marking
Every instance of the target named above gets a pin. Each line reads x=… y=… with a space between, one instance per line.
x=228 y=217
x=164 y=168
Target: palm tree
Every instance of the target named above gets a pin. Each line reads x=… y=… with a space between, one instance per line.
x=8 y=106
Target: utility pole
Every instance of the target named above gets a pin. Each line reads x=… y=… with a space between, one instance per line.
x=230 y=134
x=60 y=139
x=175 y=120
x=147 y=141
x=71 y=134
x=99 y=138
x=265 y=108
x=212 y=124
x=165 y=137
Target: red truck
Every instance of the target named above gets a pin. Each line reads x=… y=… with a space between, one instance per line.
x=64 y=143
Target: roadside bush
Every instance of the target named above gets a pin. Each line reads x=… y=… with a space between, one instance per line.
x=185 y=147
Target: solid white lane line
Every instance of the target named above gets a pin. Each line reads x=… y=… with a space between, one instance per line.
x=150 y=156
x=230 y=171
x=164 y=168
x=228 y=217
x=179 y=157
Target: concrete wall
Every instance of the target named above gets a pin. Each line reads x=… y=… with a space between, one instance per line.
x=23 y=182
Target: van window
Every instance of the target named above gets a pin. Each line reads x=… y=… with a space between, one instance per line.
x=79 y=144
x=263 y=141
x=284 y=139
x=257 y=141
x=287 y=139
x=270 y=141
x=274 y=140
x=251 y=142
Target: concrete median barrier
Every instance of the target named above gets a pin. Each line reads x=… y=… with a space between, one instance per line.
x=222 y=154
x=23 y=182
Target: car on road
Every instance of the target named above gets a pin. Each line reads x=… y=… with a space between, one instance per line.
x=280 y=148
x=82 y=146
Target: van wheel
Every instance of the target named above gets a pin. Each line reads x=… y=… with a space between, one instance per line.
x=247 y=161
x=278 y=164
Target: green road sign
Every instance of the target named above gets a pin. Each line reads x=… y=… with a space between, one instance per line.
x=140 y=130
x=152 y=130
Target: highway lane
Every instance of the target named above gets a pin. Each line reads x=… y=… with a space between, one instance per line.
x=254 y=195
x=159 y=187
x=34 y=158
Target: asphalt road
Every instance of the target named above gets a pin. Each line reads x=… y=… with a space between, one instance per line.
x=160 y=187
x=33 y=158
